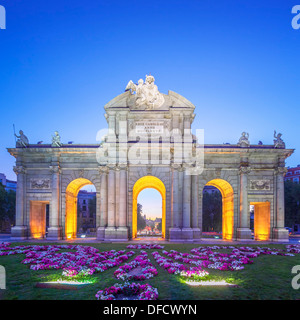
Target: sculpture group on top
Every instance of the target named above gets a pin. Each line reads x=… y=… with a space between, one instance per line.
x=147 y=93
x=23 y=142
x=245 y=143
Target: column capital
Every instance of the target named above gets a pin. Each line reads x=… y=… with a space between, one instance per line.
x=244 y=169
x=19 y=169
x=111 y=166
x=103 y=169
x=122 y=166
x=54 y=169
x=281 y=171
x=176 y=166
x=187 y=166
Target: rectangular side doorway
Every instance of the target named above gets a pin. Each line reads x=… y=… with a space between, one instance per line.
x=38 y=219
x=261 y=220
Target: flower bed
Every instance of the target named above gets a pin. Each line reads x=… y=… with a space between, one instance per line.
x=148 y=270
x=144 y=246
x=84 y=257
x=132 y=291
x=173 y=267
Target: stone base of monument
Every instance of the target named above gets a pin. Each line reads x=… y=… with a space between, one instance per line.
x=19 y=233
x=280 y=235
x=187 y=234
x=184 y=234
x=175 y=234
x=116 y=234
x=100 y=233
x=243 y=234
x=54 y=233
x=196 y=234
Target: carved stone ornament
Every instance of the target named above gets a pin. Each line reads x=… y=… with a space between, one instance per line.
x=260 y=184
x=19 y=169
x=149 y=170
x=146 y=93
x=56 y=140
x=40 y=184
x=244 y=140
x=278 y=142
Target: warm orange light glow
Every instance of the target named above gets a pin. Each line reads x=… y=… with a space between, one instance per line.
x=141 y=184
x=227 y=206
x=38 y=219
x=261 y=220
x=71 y=206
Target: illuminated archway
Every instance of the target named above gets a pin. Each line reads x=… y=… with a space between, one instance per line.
x=141 y=184
x=71 y=206
x=227 y=206
x=261 y=220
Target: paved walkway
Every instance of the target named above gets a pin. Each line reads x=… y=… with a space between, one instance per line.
x=154 y=240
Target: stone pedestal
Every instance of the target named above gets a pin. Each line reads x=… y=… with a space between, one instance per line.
x=101 y=233
x=280 y=235
x=116 y=234
x=243 y=234
x=174 y=234
x=122 y=233
x=197 y=234
x=54 y=233
x=19 y=233
x=187 y=234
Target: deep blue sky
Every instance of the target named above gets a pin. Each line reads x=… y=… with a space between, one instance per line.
x=62 y=61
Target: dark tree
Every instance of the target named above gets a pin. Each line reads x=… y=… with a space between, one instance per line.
x=7 y=208
x=159 y=226
x=292 y=203
x=212 y=211
x=141 y=222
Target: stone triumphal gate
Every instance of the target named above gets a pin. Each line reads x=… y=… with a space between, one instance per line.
x=149 y=144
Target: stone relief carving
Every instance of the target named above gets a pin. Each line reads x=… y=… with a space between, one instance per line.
x=40 y=184
x=278 y=142
x=260 y=184
x=244 y=140
x=147 y=93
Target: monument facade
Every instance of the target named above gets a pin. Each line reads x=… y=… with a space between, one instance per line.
x=149 y=144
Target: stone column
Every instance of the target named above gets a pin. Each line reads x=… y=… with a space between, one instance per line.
x=187 y=231
x=55 y=230
x=175 y=231
x=19 y=231
x=280 y=233
x=244 y=232
x=195 y=206
x=110 y=230
x=122 y=231
x=111 y=203
x=103 y=203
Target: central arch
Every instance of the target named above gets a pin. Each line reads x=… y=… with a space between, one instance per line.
x=71 y=206
x=141 y=184
x=227 y=206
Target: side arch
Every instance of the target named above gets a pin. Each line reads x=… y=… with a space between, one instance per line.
x=227 y=206
x=71 y=206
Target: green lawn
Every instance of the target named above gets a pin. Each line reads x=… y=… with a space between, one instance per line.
x=269 y=277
